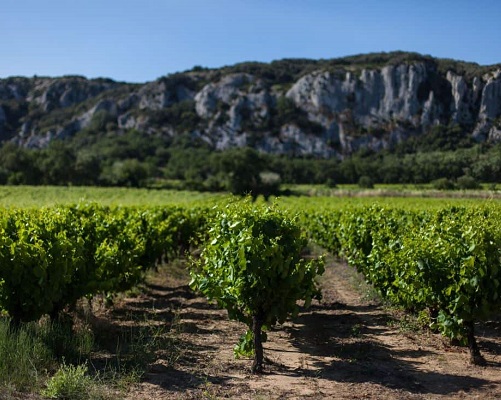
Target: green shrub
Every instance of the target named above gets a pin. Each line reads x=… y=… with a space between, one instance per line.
x=23 y=357
x=70 y=383
x=365 y=182
x=29 y=350
x=252 y=265
x=443 y=184
x=467 y=182
x=331 y=183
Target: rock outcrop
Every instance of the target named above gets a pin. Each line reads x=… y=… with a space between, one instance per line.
x=326 y=110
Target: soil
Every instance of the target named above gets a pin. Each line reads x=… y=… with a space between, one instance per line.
x=348 y=346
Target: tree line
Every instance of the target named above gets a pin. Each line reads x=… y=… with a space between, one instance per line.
x=136 y=159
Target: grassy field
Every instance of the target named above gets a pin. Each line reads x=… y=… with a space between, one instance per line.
x=393 y=190
x=304 y=195
x=338 y=202
x=39 y=196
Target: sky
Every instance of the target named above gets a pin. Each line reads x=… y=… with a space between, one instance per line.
x=142 y=40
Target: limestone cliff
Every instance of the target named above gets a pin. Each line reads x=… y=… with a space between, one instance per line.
x=296 y=107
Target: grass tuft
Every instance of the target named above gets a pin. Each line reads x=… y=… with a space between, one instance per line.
x=69 y=382
x=31 y=351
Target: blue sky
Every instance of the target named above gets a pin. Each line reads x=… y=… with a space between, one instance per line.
x=141 y=40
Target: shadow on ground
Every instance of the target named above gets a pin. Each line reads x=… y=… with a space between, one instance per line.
x=343 y=353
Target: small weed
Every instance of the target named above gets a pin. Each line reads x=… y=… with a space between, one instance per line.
x=127 y=379
x=409 y=325
x=135 y=291
x=356 y=330
x=406 y=322
x=130 y=350
x=69 y=382
x=65 y=342
x=424 y=319
x=118 y=377
x=140 y=344
x=73 y=382
x=367 y=291
x=209 y=393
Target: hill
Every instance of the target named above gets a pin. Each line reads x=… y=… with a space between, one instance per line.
x=327 y=109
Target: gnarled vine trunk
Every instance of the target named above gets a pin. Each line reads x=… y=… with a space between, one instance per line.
x=257 y=324
x=475 y=357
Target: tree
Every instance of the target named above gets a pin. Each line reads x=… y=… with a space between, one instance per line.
x=87 y=168
x=467 y=182
x=243 y=168
x=243 y=172
x=365 y=182
x=129 y=172
x=19 y=164
x=251 y=265
x=57 y=163
x=443 y=184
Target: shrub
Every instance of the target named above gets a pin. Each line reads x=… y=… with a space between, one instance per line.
x=70 y=382
x=467 y=182
x=365 y=182
x=443 y=184
x=32 y=348
x=252 y=266
x=331 y=183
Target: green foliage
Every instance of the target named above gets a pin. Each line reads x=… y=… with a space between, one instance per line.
x=57 y=164
x=100 y=122
x=186 y=163
x=443 y=184
x=243 y=168
x=467 y=182
x=445 y=261
x=49 y=258
x=70 y=383
x=129 y=173
x=24 y=357
x=138 y=159
x=181 y=115
x=449 y=263
x=243 y=173
x=331 y=183
x=440 y=138
x=38 y=253
x=19 y=164
x=30 y=350
x=252 y=265
x=365 y=182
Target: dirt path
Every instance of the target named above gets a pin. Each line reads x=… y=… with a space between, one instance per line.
x=342 y=348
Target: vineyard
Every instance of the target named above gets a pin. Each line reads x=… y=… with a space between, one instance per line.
x=444 y=264
x=440 y=262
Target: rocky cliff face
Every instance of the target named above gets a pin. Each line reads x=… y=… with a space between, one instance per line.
x=326 y=110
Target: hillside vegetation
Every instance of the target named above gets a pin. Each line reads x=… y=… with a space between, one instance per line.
x=391 y=117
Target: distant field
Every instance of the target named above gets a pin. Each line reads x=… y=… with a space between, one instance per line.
x=393 y=190
x=301 y=195
x=39 y=196
x=416 y=203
